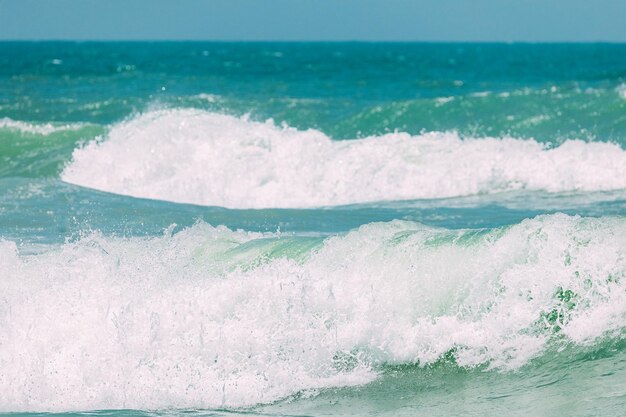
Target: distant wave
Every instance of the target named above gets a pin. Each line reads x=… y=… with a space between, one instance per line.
x=222 y=318
x=38 y=128
x=199 y=157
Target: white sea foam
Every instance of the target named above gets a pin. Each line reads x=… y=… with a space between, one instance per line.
x=211 y=98
x=192 y=156
x=209 y=317
x=39 y=129
x=621 y=90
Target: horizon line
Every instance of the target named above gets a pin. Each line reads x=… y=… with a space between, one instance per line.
x=147 y=40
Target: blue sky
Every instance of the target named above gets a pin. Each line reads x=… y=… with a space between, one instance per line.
x=400 y=20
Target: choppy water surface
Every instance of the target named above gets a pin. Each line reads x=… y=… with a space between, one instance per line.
x=217 y=229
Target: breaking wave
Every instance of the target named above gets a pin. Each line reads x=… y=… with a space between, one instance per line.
x=210 y=317
x=193 y=156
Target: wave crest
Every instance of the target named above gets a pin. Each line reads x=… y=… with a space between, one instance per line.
x=210 y=317
x=198 y=157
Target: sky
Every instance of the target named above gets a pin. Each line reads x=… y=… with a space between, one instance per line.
x=315 y=20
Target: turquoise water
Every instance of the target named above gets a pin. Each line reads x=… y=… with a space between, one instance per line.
x=312 y=229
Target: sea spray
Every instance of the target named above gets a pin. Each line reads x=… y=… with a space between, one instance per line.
x=210 y=317
x=198 y=157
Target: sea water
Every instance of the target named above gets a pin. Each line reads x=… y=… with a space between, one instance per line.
x=312 y=229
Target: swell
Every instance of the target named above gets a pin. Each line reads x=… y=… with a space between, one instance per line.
x=39 y=149
x=210 y=317
x=193 y=156
x=553 y=114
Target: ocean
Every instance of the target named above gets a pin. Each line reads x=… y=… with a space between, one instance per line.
x=312 y=229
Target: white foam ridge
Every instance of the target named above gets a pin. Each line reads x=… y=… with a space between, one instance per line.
x=621 y=90
x=210 y=317
x=199 y=157
x=37 y=128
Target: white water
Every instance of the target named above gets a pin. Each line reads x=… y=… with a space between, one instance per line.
x=40 y=129
x=192 y=156
x=621 y=90
x=209 y=317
